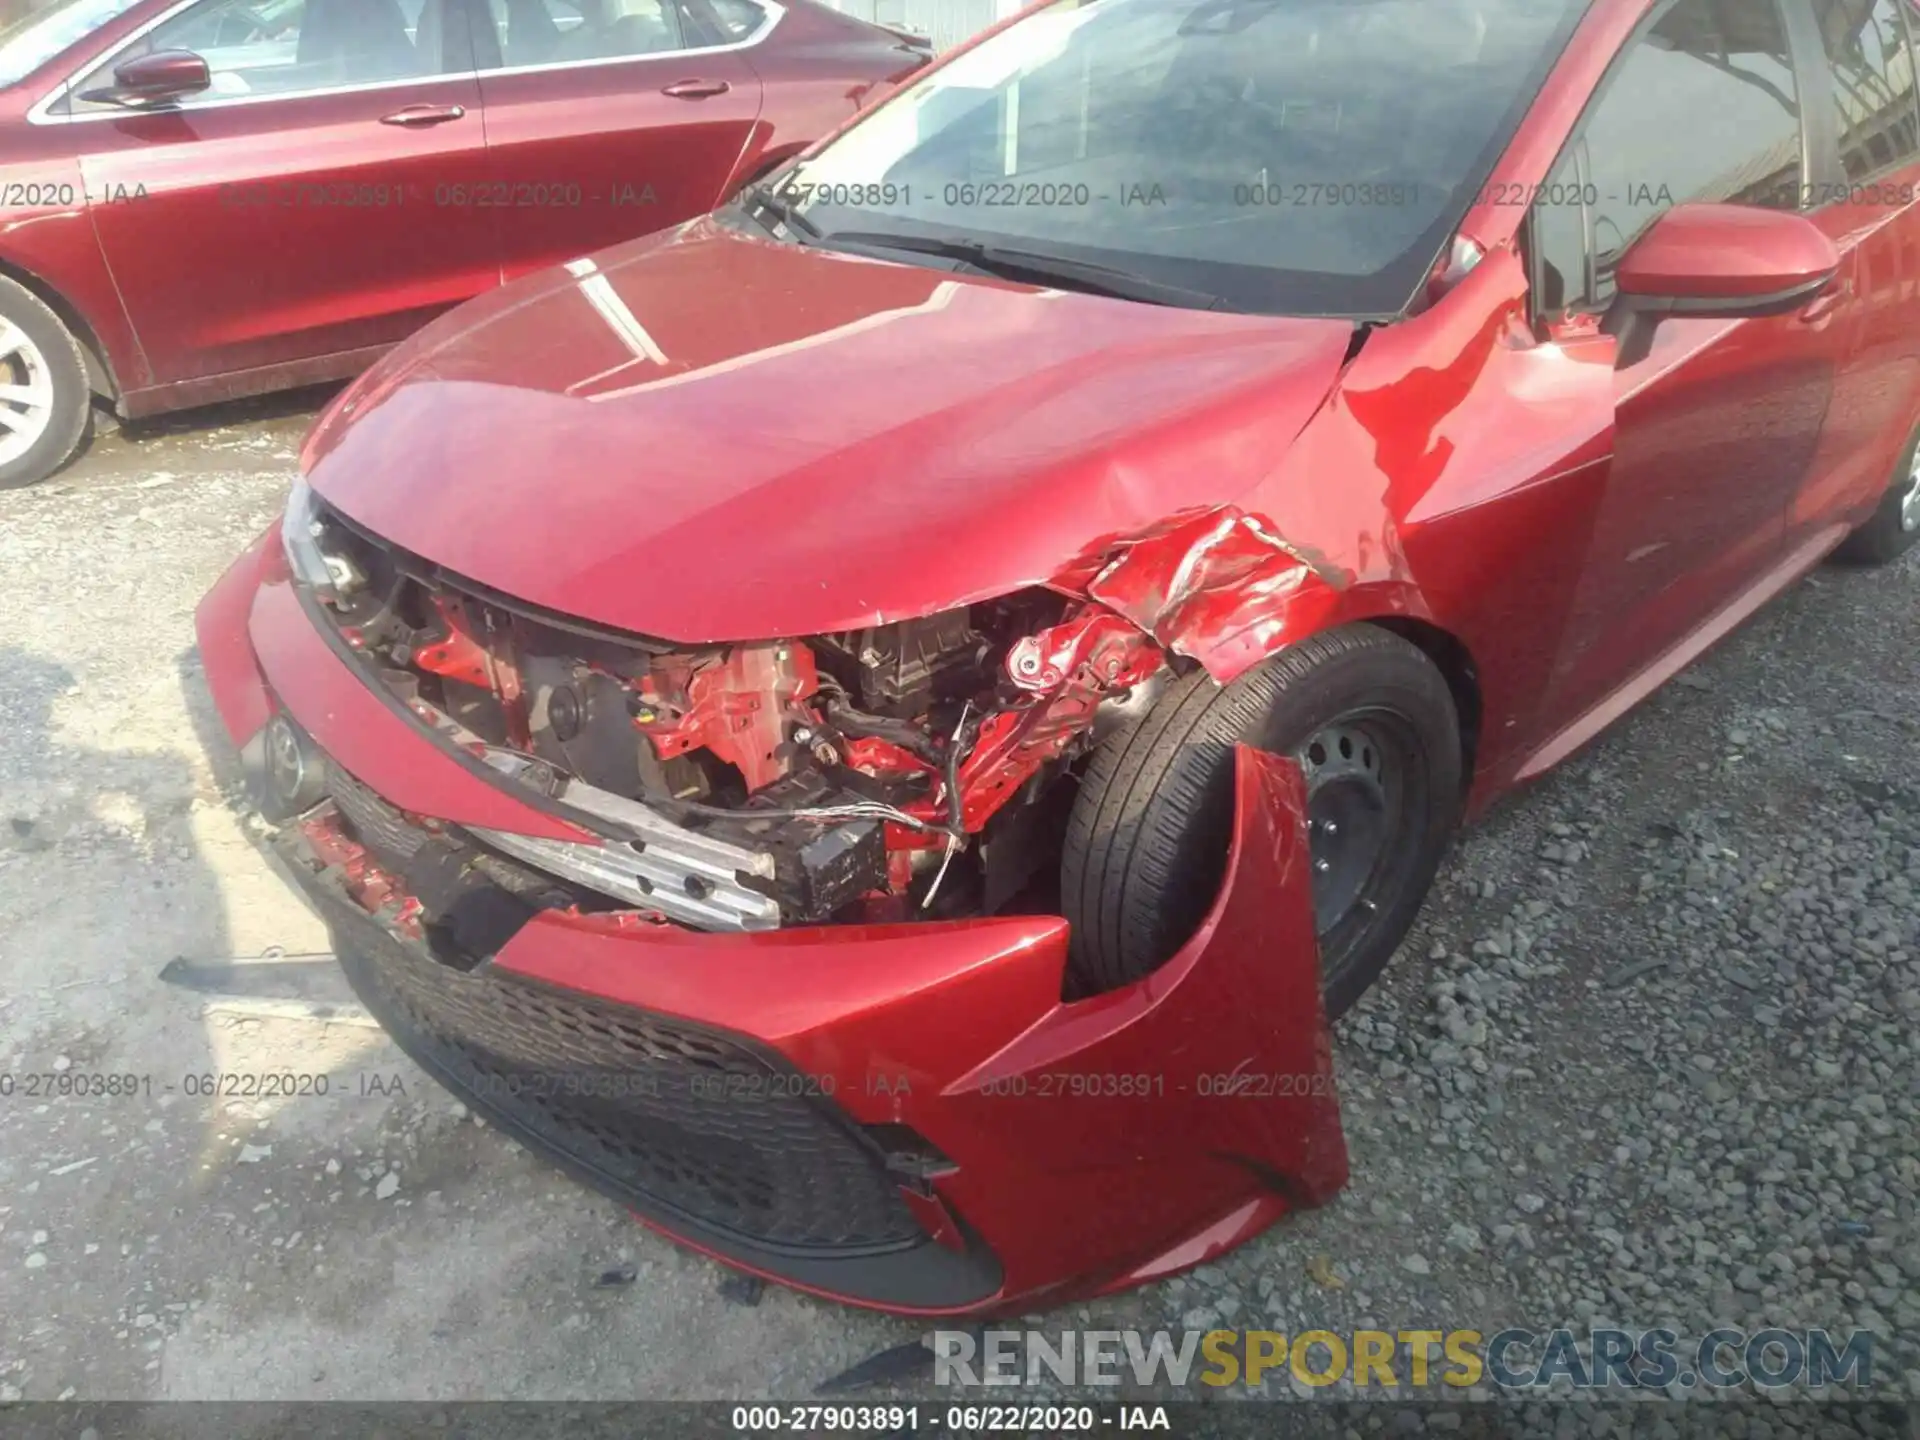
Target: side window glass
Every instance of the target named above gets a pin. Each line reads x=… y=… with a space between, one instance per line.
x=1873 y=80
x=279 y=47
x=556 y=32
x=532 y=31
x=738 y=18
x=1558 y=236
x=235 y=36
x=1703 y=107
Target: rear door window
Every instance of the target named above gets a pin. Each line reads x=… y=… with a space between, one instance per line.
x=561 y=32
x=1871 y=54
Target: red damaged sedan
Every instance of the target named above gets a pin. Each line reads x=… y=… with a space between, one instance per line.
x=876 y=727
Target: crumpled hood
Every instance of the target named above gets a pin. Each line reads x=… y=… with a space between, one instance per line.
x=709 y=436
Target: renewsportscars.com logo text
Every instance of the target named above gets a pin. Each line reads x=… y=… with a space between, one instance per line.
x=1511 y=1359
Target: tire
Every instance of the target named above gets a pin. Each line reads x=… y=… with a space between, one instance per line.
x=1147 y=840
x=38 y=354
x=1895 y=526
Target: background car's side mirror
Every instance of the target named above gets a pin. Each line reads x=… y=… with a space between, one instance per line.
x=1729 y=261
x=154 y=79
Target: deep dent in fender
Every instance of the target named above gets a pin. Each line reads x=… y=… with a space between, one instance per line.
x=1219 y=586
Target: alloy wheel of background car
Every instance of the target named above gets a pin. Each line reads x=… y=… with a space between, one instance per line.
x=1895 y=526
x=1372 y=723
x=45 y=400
x=26 y=393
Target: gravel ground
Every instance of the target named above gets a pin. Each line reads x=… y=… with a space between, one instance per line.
x=1650 y=1058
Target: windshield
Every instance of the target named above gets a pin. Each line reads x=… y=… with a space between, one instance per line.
x=29 y=43
x=1286 y=156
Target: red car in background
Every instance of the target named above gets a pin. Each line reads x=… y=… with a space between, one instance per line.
x=874 y=726
x=201 y=199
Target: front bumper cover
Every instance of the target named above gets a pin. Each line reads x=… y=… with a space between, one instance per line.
x=1039 y=1149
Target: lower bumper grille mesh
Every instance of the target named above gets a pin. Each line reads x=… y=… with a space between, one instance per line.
x=667 y=1114
x=376 y=824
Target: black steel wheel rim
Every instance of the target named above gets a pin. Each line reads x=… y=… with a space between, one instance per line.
x=1357 y=770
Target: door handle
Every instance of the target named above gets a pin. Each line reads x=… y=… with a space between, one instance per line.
x=417 y=115
x=695 y=89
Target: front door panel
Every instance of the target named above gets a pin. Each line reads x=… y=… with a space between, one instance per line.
x=1712 y=432
x=250 y=228
x=1720 y=424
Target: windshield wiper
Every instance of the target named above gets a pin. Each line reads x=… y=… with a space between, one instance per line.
x=765 y=198
x=1012 y=263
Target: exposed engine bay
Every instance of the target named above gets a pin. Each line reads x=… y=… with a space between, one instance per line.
x=918 y=769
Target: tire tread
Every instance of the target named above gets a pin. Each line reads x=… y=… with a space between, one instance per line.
x=1142 y=788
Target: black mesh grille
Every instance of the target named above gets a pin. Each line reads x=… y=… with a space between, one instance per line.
x=376 y=824
x=665 y=1114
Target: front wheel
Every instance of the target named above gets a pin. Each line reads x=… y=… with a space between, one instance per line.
x=1371 y=722
x=45 y=400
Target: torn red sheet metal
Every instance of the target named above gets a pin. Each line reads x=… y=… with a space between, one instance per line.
x=1069 y=669
x=737 y=706
x=459 y=656
x=1219 y=586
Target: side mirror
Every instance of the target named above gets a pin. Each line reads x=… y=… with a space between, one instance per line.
x=1735 y=262
x=154 y=79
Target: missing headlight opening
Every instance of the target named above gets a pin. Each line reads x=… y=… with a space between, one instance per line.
x=920 y=769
